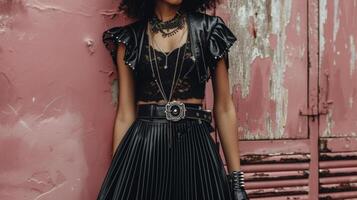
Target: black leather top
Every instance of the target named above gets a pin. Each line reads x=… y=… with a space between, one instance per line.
x=209 y=40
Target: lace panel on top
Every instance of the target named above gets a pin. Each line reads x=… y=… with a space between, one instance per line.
x=187 y=86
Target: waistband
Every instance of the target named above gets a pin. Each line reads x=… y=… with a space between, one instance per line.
x=174 y=111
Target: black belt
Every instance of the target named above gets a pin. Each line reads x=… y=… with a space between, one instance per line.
x=174 y=110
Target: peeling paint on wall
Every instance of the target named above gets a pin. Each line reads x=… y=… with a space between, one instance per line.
x=247 y=17
x=329 y=124
x=353 y=55
x=336 y=20
x=260 y=27
x=322 y=21
x=298 y=24
x=281 y=17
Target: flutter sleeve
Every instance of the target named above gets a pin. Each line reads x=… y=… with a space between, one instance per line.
x=220 y=39
x=120 y=34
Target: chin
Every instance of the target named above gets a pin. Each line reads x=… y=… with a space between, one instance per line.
x=173 y=2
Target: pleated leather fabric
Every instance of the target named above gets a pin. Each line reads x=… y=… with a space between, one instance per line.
x=165 y=160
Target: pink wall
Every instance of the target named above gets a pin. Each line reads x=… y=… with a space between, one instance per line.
x=56 y=104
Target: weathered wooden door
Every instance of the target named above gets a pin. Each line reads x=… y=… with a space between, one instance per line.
x=269 y=78
x=292 y=74
x=337 y=100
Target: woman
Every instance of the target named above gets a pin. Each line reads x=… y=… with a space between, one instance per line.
x=162 y=147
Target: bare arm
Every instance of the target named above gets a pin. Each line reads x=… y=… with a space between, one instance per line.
x=225 y=116
x=126 y=110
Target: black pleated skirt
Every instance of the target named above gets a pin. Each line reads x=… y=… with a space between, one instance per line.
x=159 y=159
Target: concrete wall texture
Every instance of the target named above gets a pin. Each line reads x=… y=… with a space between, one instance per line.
x=293 y=78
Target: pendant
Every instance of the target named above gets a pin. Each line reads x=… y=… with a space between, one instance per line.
x=165 y=66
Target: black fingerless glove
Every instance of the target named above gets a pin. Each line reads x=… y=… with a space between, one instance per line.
x=236 y=184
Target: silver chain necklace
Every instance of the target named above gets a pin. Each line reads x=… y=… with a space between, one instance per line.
x=158 y=81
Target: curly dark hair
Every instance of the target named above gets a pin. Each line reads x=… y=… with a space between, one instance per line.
x=141 y=9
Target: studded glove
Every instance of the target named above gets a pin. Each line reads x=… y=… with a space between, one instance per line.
x=236 y=184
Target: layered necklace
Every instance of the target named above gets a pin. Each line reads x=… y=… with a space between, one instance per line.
x=166 y=53
x=177 y=23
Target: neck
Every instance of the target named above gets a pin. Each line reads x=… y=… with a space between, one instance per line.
x=165 y=11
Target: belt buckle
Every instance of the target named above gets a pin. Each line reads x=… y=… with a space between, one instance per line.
x=175 y=110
